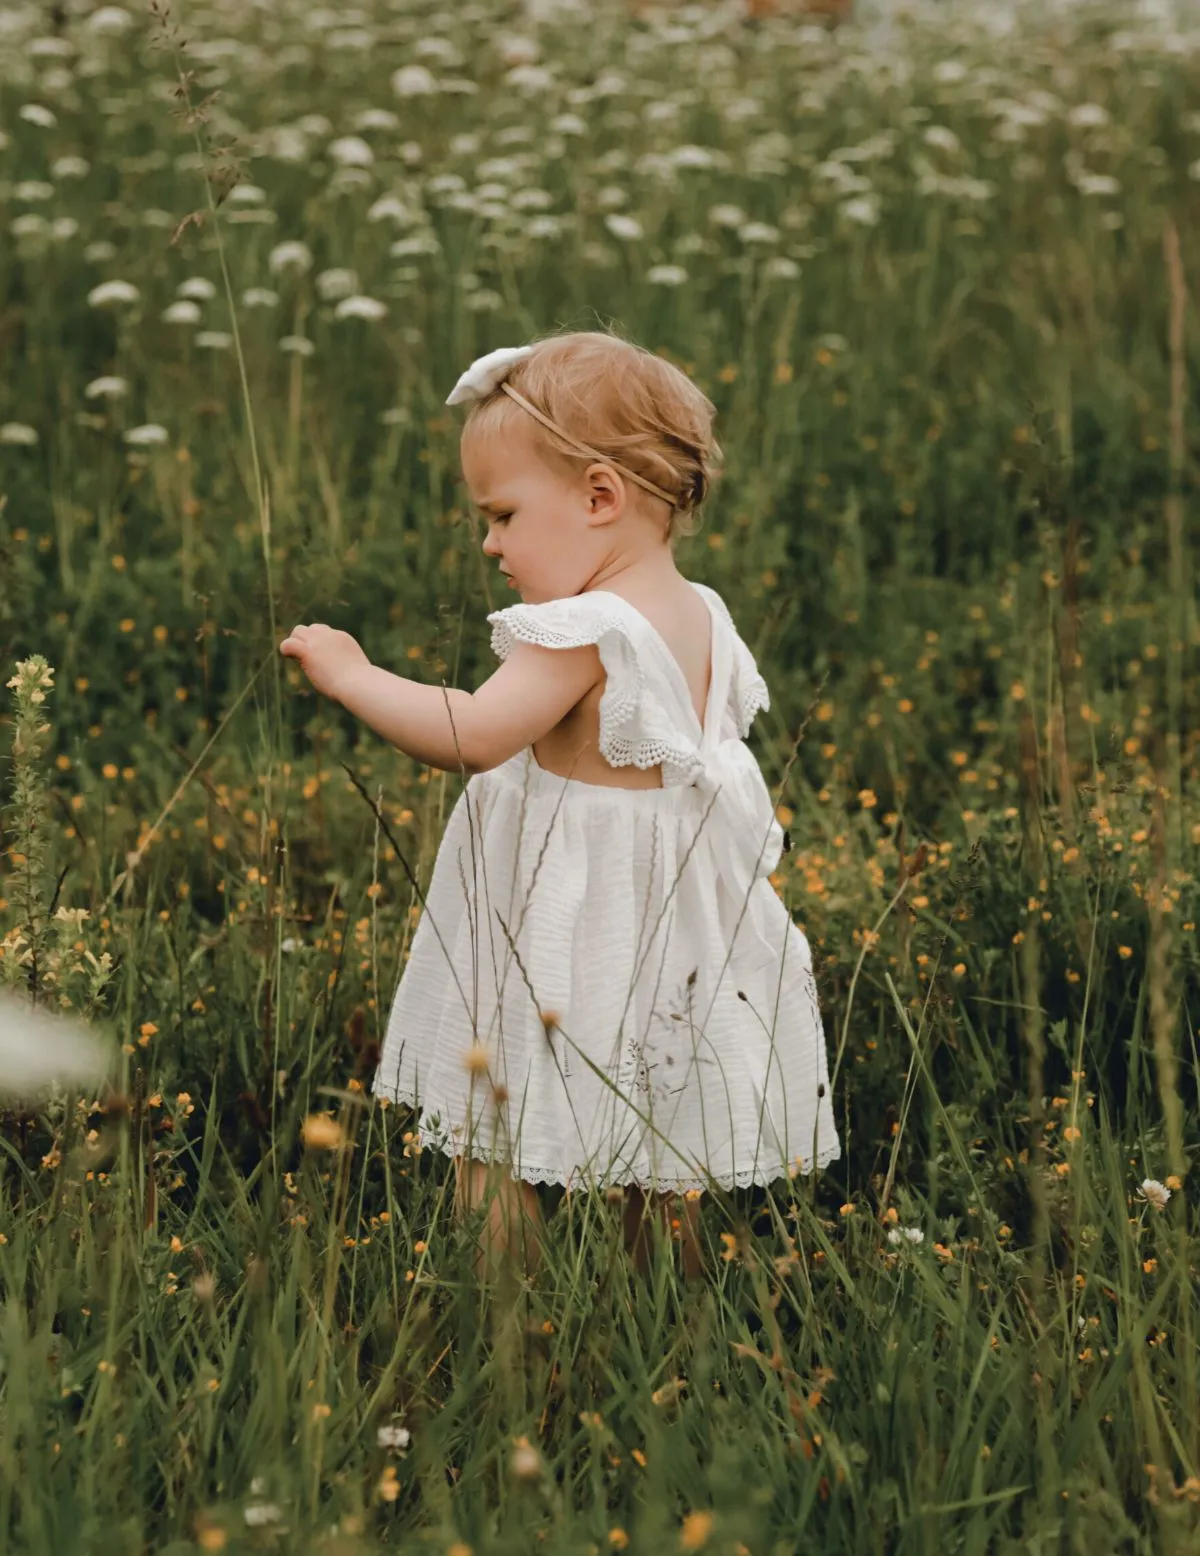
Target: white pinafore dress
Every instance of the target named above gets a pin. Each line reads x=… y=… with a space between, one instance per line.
x=603 y=987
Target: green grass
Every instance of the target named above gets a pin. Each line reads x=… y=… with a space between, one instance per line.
x=957 y=529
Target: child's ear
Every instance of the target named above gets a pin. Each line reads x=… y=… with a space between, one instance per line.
x=606 y=496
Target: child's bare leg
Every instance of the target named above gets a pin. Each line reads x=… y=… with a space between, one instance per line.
x=664 y=1208
x=514 y=1217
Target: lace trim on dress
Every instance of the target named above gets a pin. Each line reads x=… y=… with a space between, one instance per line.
x=635 y=730
x=763 y=1172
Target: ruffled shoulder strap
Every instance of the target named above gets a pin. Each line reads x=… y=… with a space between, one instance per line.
x=641 y=722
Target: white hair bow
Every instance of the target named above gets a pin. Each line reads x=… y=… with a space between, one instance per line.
x=486 y=374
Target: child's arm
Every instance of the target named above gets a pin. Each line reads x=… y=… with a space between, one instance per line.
x=531 y=692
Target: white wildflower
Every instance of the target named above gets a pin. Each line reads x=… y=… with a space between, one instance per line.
x=531 y=199
x=544 y=228
x=666 y=275
x=414 y=81
x=568 y=124
x=530 y=78
x=34 y=113
x=390 y=207
x=1088 y=116
x=864 y=211
x=483 y=300
x=780 y=268
x=113 y=292
x=1097 y=184
x=39 y=1050
x=942 y=137
x=198 y=287
x=351 y=151
x=182 y=312
x=106 y=389
x=100 y=252
x=50 y=48
x=758 y=232
x=70 y=167
x=18 y=434
x=694 y=156
x=110 y=21
x=377 y=119
x=292 y=255
x=64 y=227
x=259 y=297
x=29 y=225
x=358 y=307
x=1155 y=1193
x=627 y=227
x=286 y=143
x=214 y=340
x=332 y=284
x=393 y=1437
x=246 y=194
x=419 y=243
x=609 y=83
x=33 y=190
x=259 y=1514
x=516 y=50
x=727 y=216
x=298 y=345
x=948 y=71
x=912 y=1234
x=439 y=48
x=149 y=435
x=352 y=38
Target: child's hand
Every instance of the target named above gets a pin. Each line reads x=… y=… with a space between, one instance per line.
x=326 y=656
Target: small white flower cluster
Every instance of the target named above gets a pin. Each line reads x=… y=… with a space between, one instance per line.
x=260 y=1513
x=900 y=1234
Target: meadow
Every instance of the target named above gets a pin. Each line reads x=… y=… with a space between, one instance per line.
x=937 y=271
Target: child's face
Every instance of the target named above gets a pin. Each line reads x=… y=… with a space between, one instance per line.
x=551 y=533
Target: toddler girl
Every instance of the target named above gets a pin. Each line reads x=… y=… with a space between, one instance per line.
x=603 y=987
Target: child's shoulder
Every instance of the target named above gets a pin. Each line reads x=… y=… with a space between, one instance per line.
x=570 y=621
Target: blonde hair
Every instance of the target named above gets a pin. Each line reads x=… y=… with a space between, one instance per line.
x=631 y=406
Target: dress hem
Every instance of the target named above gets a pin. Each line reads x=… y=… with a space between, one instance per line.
x=758 y=1175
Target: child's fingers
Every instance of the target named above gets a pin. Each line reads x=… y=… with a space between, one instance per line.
x=292 y=644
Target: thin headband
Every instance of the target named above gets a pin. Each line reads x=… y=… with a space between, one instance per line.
x=584 y=449
x=487 y=374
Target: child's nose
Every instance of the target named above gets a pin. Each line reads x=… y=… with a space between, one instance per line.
x=490 y=547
